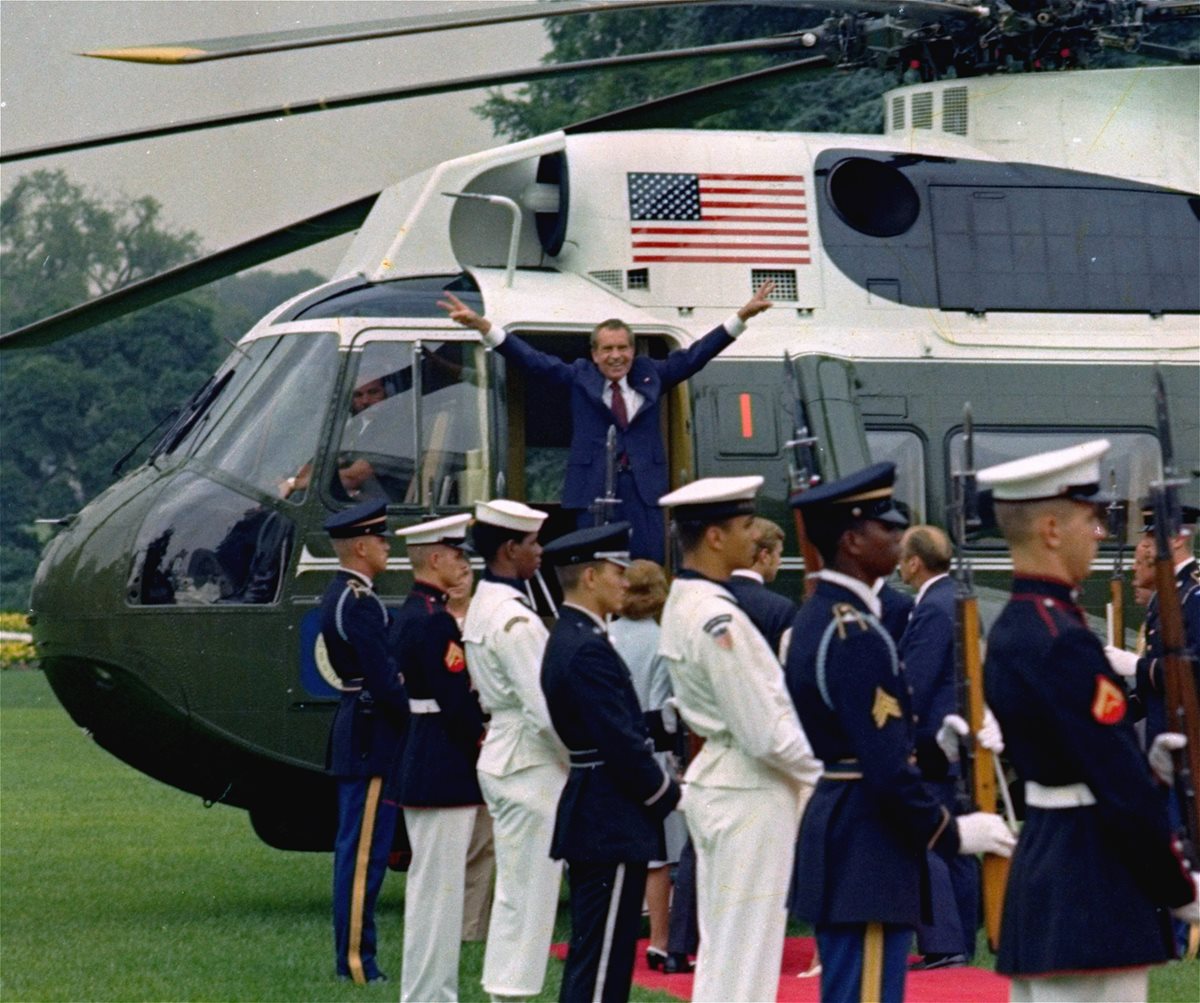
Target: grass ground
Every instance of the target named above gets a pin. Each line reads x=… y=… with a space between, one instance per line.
x=115 y=887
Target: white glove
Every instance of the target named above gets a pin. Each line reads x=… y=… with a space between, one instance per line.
x=954 y=729
x=1123 y=663
x=1190 y=913
x=670 y=715
x=683 y=789
x=984 y=832
x=1160 y=758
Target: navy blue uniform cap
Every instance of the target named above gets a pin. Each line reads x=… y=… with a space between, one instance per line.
x=595 y=543
x=865 y=494
x=367 y=518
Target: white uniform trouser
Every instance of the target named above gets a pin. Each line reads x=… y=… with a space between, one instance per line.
x=433 y=902
x=745 y=844
x=1128 y=986
x=522 y=805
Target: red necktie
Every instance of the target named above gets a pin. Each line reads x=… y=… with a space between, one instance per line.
x=618 y=406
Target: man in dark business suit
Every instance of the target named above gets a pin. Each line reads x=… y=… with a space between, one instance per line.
x=633 y=410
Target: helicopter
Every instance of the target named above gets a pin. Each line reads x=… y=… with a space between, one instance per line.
x=1027 y=242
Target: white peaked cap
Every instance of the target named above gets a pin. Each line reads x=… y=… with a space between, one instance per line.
x=450 y=530
x=1073 y=472
x=508 y=514
x=713 y=498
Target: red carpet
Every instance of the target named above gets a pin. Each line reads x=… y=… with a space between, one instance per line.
x=949 y=985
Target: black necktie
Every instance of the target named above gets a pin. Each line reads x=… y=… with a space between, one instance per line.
x=618 y=406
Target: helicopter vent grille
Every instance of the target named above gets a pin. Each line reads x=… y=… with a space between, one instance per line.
x=954 y=110
x=638 y=278
x=613 y=277
x=784 y=279
x=897 y=113
x=922 y=110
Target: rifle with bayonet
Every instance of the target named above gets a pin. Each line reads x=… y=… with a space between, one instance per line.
x=982 y=774
x=1177 y=664
x=803 y=472
x=602 y=507
x=1117 y=527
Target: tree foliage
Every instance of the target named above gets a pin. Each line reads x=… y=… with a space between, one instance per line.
x=72 y=410
x=838 y=101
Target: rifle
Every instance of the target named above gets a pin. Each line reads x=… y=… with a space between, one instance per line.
x=1116 y=585
x=803 y=473
x=982 y=773
x=1179 y=678
x=602 y=508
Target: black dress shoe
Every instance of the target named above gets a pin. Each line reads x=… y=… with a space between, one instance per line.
x=656 y=959
x=678 y=963
x=934 y=961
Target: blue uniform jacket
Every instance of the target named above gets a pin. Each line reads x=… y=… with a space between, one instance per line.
x=367 y=733
x=442 y=747
x=617 y=793
x=770 y=612
x=1150 y=682
x=871 y=818
x=927 y=653
x=591 y=417
x=1085 y=882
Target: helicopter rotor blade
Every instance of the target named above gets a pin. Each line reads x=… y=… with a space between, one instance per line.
x=205 y=50
x=783 y=43
x=698 y=103
x=191 y=275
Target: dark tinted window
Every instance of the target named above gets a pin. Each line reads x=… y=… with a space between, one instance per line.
x=415 y=297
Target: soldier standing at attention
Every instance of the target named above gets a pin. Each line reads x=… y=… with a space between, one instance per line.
x=438 y=788
x=522 y=766
x=1096 y=868
x=746 y=787
x=367 y=735
x=609 y=821
x=871 y=819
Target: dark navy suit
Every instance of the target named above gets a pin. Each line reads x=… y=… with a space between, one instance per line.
x=644 y=477
x=609 y=821
x=871 y=819
x=770 y=612
x=895 y=609
x=1087 y=883
x=927 y=653
x=366 y=742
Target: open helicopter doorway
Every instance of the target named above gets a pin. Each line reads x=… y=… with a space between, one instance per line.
x=539 y=429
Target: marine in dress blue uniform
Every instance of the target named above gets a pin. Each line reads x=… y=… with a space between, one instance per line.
x=926 y=651
x=642 y=382
x=438 y=786
x=872 y=818
x=609 y=820
x=1095 y=868
x=367 y=735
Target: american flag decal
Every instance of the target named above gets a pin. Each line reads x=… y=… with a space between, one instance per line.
x=751 y=219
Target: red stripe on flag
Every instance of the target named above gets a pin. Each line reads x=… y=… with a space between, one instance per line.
x=740 y=231
x=757 y=259
x=716 y=245
x=750 y=177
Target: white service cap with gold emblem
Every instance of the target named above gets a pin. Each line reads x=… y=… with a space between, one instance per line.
x=508 y=514
x=450 y=530
x=1072 y=473
x=712 y=499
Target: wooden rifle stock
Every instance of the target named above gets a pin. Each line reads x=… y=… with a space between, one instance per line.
x=983 y=766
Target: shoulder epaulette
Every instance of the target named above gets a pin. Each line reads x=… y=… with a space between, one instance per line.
x=844 y=614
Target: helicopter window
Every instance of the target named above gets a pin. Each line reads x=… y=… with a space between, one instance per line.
x=873 y=197
x=415 y=297
x=271 y=429
x=417 y=428
x=1134 y=456
x=906 y=449
x=204 y=544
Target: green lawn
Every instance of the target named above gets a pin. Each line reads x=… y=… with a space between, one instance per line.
x=115 y=887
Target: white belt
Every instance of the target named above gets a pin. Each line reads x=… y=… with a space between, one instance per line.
x=1068 y=796
x=424 y=707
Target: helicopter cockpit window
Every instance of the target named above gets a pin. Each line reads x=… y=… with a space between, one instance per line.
x=272 y=428
x=906 y=449
x=416 y=433
x=204 y=544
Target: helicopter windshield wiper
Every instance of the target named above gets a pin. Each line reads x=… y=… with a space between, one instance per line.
x=201 y=401
x=169 y=416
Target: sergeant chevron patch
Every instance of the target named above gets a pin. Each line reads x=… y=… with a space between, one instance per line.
x=1108 y=702
x=885 y=706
